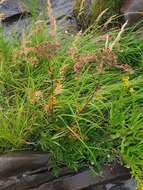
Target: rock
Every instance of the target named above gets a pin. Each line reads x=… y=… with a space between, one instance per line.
x=18 y=163
x=33 y=180
x=132 y=11
x=97 y=187
x=67 y=180
x=129 y=184
x=17 y=14
x=13 y=10
x=85 y=179
x=63 y=12
x=118 y=188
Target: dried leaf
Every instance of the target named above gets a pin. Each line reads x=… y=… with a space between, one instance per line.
x=83 y=60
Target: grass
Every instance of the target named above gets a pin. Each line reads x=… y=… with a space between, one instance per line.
x=87 y=12
x=73 y=96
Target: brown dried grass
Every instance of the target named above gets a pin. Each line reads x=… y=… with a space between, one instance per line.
x=103 y=58
x=51 y=19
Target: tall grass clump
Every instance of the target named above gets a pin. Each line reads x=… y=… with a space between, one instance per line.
x=87 y=12
x=77 y=97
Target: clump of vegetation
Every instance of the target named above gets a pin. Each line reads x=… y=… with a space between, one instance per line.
x=77 y=97
x=87 y=11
